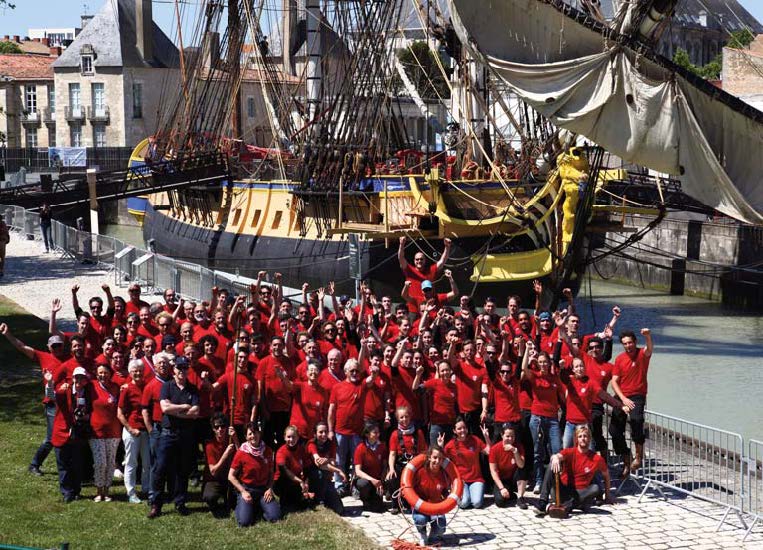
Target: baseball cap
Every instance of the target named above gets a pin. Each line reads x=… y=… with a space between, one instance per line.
x=55 y=339
x=79 y=371
x=181 y=363
x=168 y=340
x=544 y=316
x=426 y=284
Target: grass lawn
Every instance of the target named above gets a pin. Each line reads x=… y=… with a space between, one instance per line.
x=33 y=513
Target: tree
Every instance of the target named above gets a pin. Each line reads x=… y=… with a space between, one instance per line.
x=422 y=69
x=9 y=47
x=711 y=71
x=740 y=39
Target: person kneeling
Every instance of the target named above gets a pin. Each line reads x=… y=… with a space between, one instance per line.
x=251 y=473
x=292 y=474
x=431 y=484
x=507 y=462
x=577 y=467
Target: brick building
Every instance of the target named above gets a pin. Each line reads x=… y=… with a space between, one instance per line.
x=743 y=72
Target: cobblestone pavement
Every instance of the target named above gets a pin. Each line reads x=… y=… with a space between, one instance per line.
x=653 y=524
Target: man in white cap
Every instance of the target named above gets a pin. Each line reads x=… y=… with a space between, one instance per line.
x=48 y=361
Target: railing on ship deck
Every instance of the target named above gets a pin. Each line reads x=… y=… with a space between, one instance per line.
x=682 y=456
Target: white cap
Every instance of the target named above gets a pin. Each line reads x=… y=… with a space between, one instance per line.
x=79 y=371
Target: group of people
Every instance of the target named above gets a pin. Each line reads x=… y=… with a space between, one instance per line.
x=288 y=404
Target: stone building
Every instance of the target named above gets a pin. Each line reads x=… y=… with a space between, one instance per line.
x=743 y=72
x=27 y=100
x=114 y=79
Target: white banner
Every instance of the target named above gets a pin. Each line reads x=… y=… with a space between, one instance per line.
x=69 y=157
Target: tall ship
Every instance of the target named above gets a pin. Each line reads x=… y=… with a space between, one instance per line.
x=519 y=130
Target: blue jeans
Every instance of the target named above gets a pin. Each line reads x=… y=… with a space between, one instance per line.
x=345 y=449
x=569 y=435
x=70 y=459
x=551 y=435
x=46 y=237
x=46 y=446
x=175 y=457
x=438 y=524
x=474 y=495
x=436 y=429
x=247 y=512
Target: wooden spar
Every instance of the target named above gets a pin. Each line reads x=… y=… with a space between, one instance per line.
x=234 y=64
x=182 y=63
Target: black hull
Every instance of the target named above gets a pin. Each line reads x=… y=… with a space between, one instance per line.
x=316 y=261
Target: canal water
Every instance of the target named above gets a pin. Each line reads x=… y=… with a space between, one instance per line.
x=708 y=361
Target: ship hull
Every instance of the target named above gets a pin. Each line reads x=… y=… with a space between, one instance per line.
x=315 y=261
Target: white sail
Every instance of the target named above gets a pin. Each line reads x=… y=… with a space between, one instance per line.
x=628 y=104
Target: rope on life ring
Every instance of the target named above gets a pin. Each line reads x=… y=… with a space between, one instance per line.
x=430 y=508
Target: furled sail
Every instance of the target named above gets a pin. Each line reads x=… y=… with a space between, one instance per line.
x=571 y=70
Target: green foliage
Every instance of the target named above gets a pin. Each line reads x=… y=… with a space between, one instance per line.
x=9 y=47
x=33 y=513
x=422 y=69
x=711 y=71
x=740 y=39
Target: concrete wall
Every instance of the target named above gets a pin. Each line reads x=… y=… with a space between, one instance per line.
x=691 y=257
x=160 y=90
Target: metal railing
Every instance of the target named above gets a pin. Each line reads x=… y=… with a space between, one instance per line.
x=694 y=459
x=754 y=488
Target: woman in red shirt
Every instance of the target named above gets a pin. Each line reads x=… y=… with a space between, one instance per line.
x=507 y=460
x=251 y=474
x=464 y=451
x=546 y=389
x=432 y=485
x=404 y=443
x=134 y=434
x=291 y=477
x=219 y=452
x=106 y=431
x=323 y=451
x=444 y=401
x=370 y=462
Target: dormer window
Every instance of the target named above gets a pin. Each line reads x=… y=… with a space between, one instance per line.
x=86 y=62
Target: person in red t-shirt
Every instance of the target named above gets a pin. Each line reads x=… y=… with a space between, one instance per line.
x=370 y=462
x=464 y=451
x=404 y=443
x=241 y=406
x=292 y=473
x=49 y=362
x=218 y=453
x=576 y=467
x=431 y=483
x=309 y=402
x=443 y=401
x=106 y=431
x=323 y=451
x=251 y=474
x=629 y=381
x=274 y=408
x=134 y=434
x=507 y=462
x=420 y=271
x=472 y=381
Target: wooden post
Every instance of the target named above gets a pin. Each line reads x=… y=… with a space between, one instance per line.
x=91 y=180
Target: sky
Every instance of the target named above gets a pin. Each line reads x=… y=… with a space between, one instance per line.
x=65 y=13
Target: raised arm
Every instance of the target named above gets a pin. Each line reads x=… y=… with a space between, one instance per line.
x=401 y=255
x=405 y=294
x=109 y=299
x=538 y=289
x=453 y=287
x=75 y=301
x=570 y=300
x=417 y=379
x=445 y=254
x=15 y=342
x=55 y=307
x=647 y=334
x=331 y=291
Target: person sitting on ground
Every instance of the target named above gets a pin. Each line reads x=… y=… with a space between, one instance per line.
x=370 y=462
x=323 y=451
x=464 y=451
x=219 y=452
x=507 y=461
x=291 y=477
x=431 y=484
x=577 y=467
x=251 y=474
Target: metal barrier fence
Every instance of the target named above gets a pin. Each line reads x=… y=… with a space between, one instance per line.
x=697 y=460
x=754 y=468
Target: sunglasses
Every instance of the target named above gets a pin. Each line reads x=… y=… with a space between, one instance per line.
x=505 y=371
x=220 y=427
x=594 y=346
x=490 y=352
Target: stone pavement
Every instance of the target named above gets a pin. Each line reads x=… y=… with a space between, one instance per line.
x=653 y=524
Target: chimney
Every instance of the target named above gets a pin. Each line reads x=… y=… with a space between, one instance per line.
x=143 y=29
x=55 y=51
x=36 y=39
x=703 y=18
x=84 y=20
x=16 y=38
x=46 y=41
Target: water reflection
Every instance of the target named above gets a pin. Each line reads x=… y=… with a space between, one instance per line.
x=708 y=360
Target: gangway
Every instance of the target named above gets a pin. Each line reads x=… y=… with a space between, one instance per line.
x=152 y=177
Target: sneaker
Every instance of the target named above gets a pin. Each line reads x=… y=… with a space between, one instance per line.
x=134 y=499
x=34 y=470
x=154 y=512
x=183 y=510
x=106 y=499
x=394 y=510
x=118 y=474
x=540 y=508
x=97 y=498
x=536 y=489
x=522 y=503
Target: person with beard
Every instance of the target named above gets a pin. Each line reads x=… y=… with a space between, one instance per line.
x=65 y=372
x=49 y=362
x=134 y=433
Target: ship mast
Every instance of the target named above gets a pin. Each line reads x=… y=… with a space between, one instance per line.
x=234 y=64
x=314 y=74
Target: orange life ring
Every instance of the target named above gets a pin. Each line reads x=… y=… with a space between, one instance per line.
x=425 y=507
